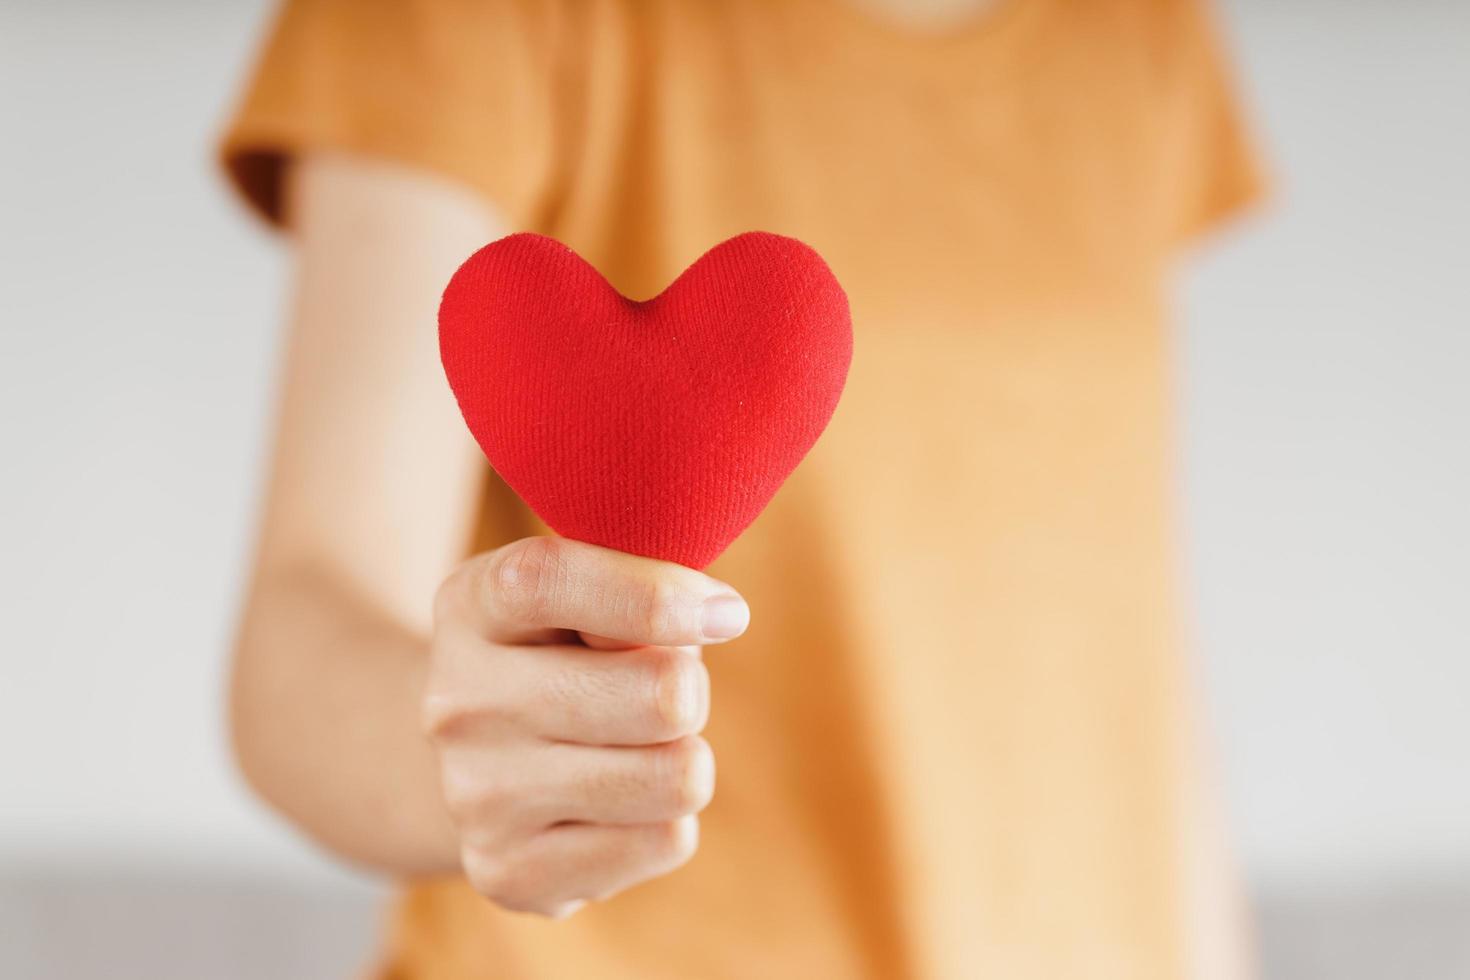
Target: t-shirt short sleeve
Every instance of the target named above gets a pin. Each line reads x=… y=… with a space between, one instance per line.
x=1214 y=168
x=464 y=89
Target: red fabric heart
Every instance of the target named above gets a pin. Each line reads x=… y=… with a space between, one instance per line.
x=662 y=427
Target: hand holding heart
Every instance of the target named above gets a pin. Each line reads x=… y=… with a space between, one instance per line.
x=566 y=691
x=572 y=773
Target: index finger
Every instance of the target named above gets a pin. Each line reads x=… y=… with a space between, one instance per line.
x=536 y=588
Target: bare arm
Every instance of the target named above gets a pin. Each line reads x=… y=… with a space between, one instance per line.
x=529 y=717
x=371 y=494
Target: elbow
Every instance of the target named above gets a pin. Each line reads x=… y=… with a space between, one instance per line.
x=247 y=738
x=257 y=702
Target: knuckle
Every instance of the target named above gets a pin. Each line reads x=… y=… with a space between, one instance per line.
x=458 y=702
x=440 y=715
x=486 y=874
x=677 y=684
x=657 y=608
x=514 y=885
x=688 y=774
x=471 y=799
x=461 y=798
x=525 y=578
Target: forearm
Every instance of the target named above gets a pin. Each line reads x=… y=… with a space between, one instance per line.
x=325 y=718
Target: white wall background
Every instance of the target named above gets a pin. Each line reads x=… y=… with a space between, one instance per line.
x=1326 y=385
x=1325 y=364
x=138 y=318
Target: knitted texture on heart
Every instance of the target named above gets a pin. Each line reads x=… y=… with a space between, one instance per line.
x=661 y=427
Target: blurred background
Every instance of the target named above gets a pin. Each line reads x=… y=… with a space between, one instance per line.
x=1324 y=351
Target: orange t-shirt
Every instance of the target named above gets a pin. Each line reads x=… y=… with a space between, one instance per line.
x=954 y=742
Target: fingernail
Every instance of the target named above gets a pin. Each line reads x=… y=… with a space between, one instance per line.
x=725 y=617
